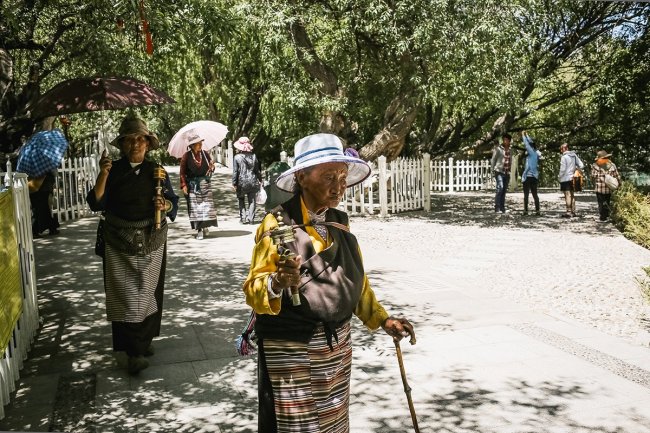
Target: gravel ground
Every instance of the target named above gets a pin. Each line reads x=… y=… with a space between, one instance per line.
x=578 y=268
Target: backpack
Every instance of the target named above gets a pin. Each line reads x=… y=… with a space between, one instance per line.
x=578 y=180
x=247 y=180
x=578 y=175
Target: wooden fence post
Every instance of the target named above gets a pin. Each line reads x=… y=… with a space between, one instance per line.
x=451 y=175
x=383 y=192
x=426 y=167
x=230 y=154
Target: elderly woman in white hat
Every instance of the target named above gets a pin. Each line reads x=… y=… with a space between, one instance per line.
x=135 y=252
x=246 y=179
x=195 y=172
x=305 y=350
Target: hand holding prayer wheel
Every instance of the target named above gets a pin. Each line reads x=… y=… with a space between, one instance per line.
x=288 y=264
x=288 y=274
x=159 y=176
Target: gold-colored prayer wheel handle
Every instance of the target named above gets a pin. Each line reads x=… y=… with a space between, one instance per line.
x=280 y=236
x=159 y=173
x=282 y=233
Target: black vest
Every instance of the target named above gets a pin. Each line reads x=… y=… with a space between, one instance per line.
x=330 y=286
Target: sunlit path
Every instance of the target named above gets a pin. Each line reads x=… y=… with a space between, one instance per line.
x=512 y=336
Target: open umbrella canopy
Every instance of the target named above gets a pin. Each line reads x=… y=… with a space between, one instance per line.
x=79 y=95
x=42 y=153
x=211 y=132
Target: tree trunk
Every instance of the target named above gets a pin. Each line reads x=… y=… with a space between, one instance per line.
x=332 y=121
x=501 y=125
x=248 y=113
x=15 y=120
x=313 y=65
x=398 y=119
x=432 y=123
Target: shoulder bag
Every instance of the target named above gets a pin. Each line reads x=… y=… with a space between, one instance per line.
x=611 y=182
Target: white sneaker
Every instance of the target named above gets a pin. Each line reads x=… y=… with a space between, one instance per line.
x=199 y=235
x=205 y=231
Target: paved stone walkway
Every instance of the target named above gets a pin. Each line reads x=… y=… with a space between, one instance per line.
x=524 y=324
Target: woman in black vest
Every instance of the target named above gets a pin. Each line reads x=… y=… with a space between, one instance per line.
x=135 y=251
x=305 y=350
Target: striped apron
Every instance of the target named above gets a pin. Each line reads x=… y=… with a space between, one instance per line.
x=131 y=282
x=310 y=382
x=132 y=268
x=200 y=203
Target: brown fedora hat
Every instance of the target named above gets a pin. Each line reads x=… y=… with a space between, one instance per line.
x=602 y=154
x=134 y=125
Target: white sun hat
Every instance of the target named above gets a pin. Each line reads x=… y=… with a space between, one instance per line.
x=319 y=149
x=192 y=137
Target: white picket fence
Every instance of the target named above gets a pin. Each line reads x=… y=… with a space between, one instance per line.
x=405 y=184
x=25 y=329
x=74 y=179
x=450 y=175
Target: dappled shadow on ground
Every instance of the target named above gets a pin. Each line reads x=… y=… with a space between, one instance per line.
x=456 y=402
x=419 y=312
x=196 y=383
x=477 y=209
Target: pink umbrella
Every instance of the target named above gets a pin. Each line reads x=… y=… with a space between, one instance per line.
x=211 y=132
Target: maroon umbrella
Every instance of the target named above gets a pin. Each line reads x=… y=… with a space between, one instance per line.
x=97 y=93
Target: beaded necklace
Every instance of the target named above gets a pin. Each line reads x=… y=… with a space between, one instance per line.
x=318 y=218
x=198 y=162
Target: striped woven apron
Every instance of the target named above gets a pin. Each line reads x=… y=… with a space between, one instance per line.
x=311 y=383
x=200 y=201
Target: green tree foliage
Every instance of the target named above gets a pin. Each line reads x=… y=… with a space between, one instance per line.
x=391 y=77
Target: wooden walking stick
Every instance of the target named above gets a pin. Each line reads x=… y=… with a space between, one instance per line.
x=407 y=388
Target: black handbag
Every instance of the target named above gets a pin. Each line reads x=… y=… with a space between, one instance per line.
x=100 y=242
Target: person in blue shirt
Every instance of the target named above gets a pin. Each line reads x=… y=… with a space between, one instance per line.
x=530 y=175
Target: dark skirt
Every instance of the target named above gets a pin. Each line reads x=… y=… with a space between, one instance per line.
x=135 y=338
x=43 y=219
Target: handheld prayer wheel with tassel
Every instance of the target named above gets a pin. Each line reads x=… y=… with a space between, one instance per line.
x=281 y=235
x=159 y=175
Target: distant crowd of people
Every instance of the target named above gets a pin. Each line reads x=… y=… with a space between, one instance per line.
x=571 y=176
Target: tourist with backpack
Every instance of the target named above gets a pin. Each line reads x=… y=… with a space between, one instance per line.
x=570 y=178
x=246 y=179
